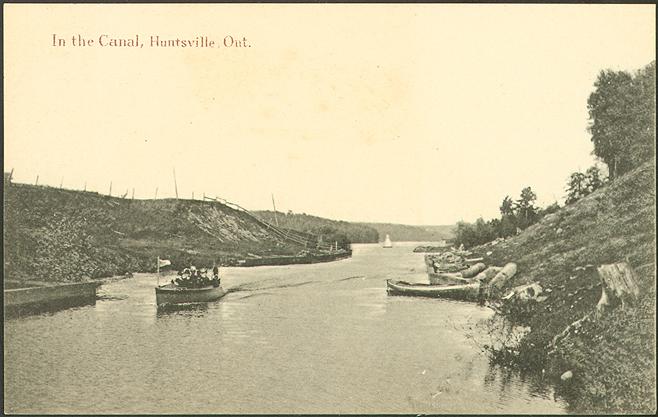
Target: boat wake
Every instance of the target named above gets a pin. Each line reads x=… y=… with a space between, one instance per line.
x=350 y=278
x=258 y=294
x=107 y=297
x=256 y=286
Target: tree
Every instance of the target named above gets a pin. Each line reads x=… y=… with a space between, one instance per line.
x=507 y=206
x=525 y=208
x=622 y=118
x=507 y=226
x=593 y=180
x=576 y=187
x=643 y=147
x=609 y=107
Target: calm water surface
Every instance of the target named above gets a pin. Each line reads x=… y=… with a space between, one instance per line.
x=321 y=338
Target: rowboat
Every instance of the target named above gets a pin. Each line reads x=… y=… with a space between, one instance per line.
x=173 y=294
x=462 y=292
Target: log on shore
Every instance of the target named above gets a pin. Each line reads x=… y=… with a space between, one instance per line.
x=473 y=270
x=508 y=271
x=486 y=275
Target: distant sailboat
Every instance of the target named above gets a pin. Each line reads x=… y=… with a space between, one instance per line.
x=387 y=242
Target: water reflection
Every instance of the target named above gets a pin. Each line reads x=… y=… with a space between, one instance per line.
x=48 y=308
x=508 y=380
x=188 y=310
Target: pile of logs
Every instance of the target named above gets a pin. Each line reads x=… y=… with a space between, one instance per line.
x=449 y=261
x=434 y=249
x=455 y=267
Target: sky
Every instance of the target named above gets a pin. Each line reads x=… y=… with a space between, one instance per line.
x=415 y=114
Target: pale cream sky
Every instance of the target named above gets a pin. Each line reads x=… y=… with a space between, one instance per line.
x=417 y=114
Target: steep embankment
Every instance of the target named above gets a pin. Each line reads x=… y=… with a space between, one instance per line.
x=612 y=358
x=407 y=233
x=55 y=235
x=330 y=229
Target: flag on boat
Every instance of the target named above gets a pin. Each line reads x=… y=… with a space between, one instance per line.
x=163 y=262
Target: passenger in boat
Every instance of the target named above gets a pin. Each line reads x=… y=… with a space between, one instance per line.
x=191 y=280
x=215 y=276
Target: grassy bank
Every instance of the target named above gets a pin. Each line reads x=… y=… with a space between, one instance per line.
x=612 y=358
x=63 y=235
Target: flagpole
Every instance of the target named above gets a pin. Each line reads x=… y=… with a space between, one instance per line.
x=158 y=271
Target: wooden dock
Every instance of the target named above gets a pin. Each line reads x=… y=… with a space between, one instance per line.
x=49 y=295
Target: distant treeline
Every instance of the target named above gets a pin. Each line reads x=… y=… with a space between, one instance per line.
x=407 y=233
x=329 y=230
x=357 y=232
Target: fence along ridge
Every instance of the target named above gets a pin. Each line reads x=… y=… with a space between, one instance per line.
x=287 y=234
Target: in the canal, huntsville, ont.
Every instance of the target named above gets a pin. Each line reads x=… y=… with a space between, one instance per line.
x=329 y=208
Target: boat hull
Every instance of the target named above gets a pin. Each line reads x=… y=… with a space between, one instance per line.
x=461 y=292
x=446 y=278
x=171 y=294
x=294 y=260
x=50 y=293
x=48 y=297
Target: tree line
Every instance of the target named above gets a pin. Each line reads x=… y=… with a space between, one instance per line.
x=329 y=231
x=515 y=215
x=622 y=111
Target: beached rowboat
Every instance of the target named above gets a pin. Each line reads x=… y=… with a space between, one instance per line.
x=173 y=294
x=463 y=292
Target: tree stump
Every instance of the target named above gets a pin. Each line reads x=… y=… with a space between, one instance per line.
x=619 y=286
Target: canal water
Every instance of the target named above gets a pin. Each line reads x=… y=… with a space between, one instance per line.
x=321 y=338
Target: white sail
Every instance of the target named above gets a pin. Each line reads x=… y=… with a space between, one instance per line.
x=387 y=242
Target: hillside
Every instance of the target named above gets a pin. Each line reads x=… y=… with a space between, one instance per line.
x=407 y=233
x=353 y=232
x=358 y=232
x=57 y=235
x=612 y=358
